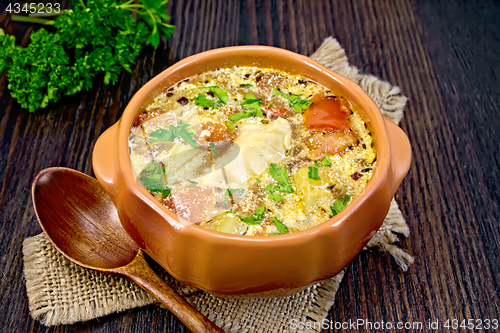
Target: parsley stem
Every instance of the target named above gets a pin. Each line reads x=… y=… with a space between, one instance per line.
x=22 y=18
x=152 y=18
x=132 y=6
x=134 y=10
x=47 y=14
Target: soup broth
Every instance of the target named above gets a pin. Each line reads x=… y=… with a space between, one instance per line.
x=252 y=151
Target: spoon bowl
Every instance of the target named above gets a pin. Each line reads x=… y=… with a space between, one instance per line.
x=81 y=221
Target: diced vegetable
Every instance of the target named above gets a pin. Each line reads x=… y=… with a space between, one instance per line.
x=302 y=180
x=195 y=204
x=227 y=223
x=327 y=114
x=312 y=196
x=216 y=132
x=331 y=143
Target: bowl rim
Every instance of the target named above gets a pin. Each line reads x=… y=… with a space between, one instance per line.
x=375 y=184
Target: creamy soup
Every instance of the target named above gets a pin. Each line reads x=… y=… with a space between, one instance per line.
x=252 y=151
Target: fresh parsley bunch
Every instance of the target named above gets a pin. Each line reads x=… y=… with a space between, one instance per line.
x=93 y=38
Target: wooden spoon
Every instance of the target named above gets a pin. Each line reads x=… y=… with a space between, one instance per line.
x=82 y=223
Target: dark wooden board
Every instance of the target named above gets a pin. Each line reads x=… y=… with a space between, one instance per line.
x=444 y=55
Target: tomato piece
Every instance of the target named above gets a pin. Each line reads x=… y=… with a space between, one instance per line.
x=327 y=114
x=331 y=143
x=216 y=132
x=273 y=112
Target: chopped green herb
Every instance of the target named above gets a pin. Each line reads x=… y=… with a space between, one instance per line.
x=219 y=92
x=272 y=187
x=252 y=104
x=269 y=104
x=274 y=234
x=230 y=125
x=182 y=130
x=298 y=104
x=275 y=197
x=153 y=179
x=203 y=101
x=213 y=150
x=240 y=115
x=258 y=180
x=313 y=173
x=251 y=107
x=193 y=184
x=313 y=170
x=256 y=218
x=325 y=162
x=248 y=86
x=280 y=174
x=230 y=191
x=340 y=204
x=161 y=135
x=281 y=227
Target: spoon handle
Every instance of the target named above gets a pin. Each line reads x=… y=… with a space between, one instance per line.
x=139 y=272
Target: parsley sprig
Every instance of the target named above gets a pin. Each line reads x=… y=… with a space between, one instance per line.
x=203 y=101
x=212 y=148
x=279 y=174
x=251 y=107
x=219 y=92
x=154 y=13
x=153 y=179
x=340 y=204
x=231 y=191
x=256 y=218
x=168 y=135
x=282 y=229
x=313 y=172
x=298 y=104
x=95 y=38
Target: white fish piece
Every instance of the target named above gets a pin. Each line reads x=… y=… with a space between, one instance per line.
x=164 y=120
x=262 y=144
x=228 y=173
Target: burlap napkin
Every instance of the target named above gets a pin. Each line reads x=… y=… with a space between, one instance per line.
x=61 y=292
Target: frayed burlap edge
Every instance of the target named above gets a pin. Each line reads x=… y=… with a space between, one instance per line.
x=61 y=292
x=387 y=97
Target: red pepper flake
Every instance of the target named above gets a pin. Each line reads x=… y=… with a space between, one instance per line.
x=356 y=175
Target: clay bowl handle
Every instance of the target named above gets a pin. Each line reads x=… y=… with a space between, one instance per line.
x=105 y=160
x=140 y=272
x=400 y=152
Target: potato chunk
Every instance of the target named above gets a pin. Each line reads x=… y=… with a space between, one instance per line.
x=314 y=198
x=227 y=223
x=302 y=180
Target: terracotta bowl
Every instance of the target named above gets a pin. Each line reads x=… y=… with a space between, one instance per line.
x=252 y=265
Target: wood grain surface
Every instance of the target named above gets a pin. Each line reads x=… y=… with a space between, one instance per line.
x=445 y=57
